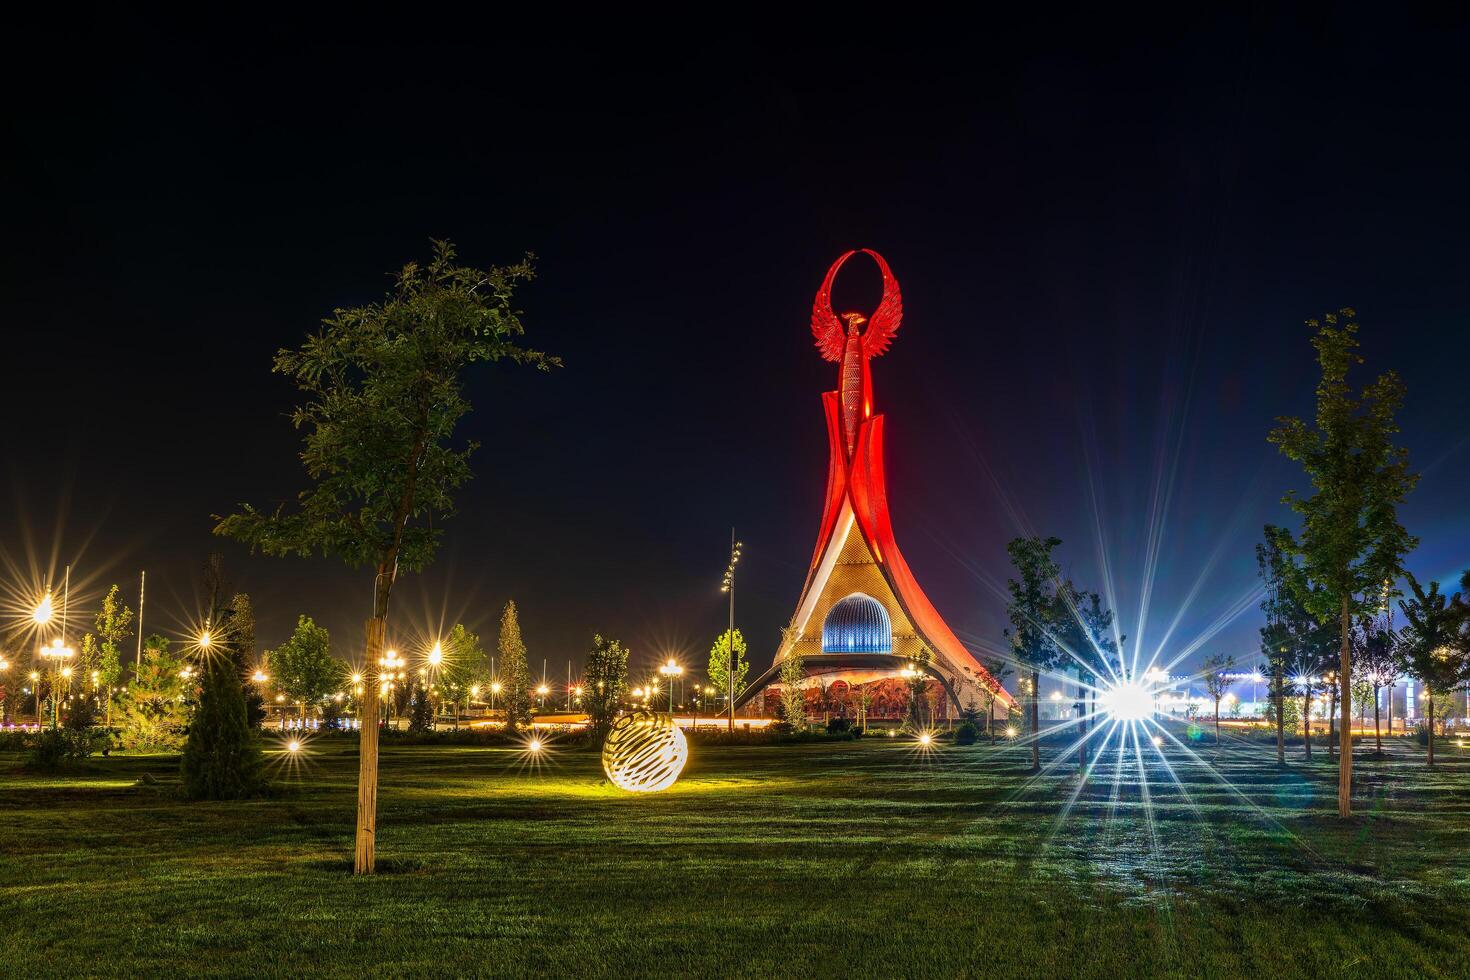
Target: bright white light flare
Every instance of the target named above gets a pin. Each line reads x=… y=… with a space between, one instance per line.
x=1127 y=701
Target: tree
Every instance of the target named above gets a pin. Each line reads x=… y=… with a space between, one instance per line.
x=152 y=711
x=1030 y=609
x=303 y=668
x=114 y=624
x=1351 y=541
x=917 y=682
x=383 y=389
x=793 y=696
x=1216 y=684
x=222 y=758
x=605 y=682
x=517 y=683
x=465 y=665
x=1082 y=630
x=1434 y=646
x=719 y=664
x=421 y=712
x=1376 y=658
x=999 y=669
x=241 y=618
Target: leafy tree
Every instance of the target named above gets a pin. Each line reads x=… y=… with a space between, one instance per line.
x=222 y=758
x=303 y=668
x=719 y=664
x=918 y=685
x=1376 y=658
x=793 y=697
x=1351 y=541
x=515 y=672
x=999 y=669
x=152 y=710
x=1216 y=683
x=383 y=389
x=1082 y=630
x=465 y=665
x=1031 y=610
x=606 y=680
x=1434 y=645
x=114 y=624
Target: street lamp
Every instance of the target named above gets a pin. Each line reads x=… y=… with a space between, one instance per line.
x=729 y=587
x=41 y=615
x=436 y=655
x=57 y=653
x=541 y=691
x=672 y=670
x=494 y=690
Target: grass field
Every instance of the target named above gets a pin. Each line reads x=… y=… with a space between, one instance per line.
x=827 y=859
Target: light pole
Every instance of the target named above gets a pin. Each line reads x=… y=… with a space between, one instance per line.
x=57 y=653
x=729 y=587
x=671 y=670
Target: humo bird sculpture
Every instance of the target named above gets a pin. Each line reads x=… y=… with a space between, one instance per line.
x=852 y=349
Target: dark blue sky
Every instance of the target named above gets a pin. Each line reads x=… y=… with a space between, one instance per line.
x=1108 y=236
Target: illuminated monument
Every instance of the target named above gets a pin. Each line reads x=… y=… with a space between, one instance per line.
x=862 y=618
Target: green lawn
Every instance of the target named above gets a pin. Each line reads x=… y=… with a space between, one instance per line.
x=831 y=859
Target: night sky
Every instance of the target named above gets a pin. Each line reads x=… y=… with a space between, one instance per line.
x=1107 y=237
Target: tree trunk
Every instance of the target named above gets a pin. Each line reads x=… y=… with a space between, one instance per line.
x=1345 y=705
x=1082 y=721
x=1279 y=696
x=365 y=855
x=1331 y=723
x=1377 y=733
x=1429 y=698
x=1390 y=711
x=1035 y=713
x=1307 y=723
x=1217 y=726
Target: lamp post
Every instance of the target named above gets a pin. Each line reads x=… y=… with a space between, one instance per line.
x=672 y=670
x=729 y=587
x=57 y=653
x=392 y=668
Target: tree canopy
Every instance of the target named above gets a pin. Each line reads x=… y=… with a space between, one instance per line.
x=303 y=667
x=605 y=679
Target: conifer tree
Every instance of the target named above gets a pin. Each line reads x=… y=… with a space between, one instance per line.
x=606 y=679
x=421 y=714
x=222 y=758
x=516 y=674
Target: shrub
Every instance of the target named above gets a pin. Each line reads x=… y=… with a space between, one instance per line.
x=966 y=734
x=838 y=726
x=56 y=747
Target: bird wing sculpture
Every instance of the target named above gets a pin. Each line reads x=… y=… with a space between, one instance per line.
x=825 y=326
x=882 y=325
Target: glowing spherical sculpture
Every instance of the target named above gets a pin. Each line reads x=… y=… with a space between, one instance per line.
x=644 y=752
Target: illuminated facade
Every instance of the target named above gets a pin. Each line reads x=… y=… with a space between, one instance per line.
x=862 y=618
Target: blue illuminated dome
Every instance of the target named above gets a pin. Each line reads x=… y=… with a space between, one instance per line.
x=857 y=624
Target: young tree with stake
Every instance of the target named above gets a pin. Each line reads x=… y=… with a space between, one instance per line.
x=1216 y=683
x=1350 y=541
x=383 y=389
